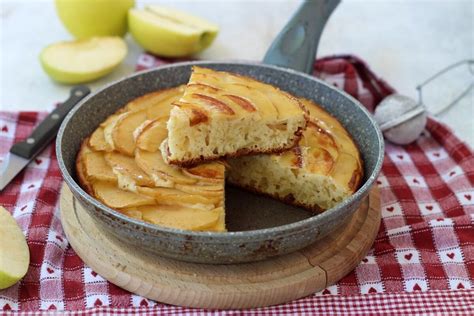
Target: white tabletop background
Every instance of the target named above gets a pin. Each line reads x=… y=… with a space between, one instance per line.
x=405 y=42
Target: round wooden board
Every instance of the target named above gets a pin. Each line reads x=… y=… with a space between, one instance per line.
x=273 y=281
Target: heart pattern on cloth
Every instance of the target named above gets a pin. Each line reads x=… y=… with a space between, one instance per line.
x=23 y=207
x=31 y=186
x=416 y=287
x=460 y=286
x=467 y=196
x=390 y=208
x=50 y=271
x=452 y=173
x=396 y=178
x=144 y=303
x=52 y=307
x=429 y=207
x=38 y=161
x=436 y=154
x=94 y=274
x=408 y=256
x=450 y=255
x=5 y=130
x=7 y=307
x=416 y=181
x=59 y=238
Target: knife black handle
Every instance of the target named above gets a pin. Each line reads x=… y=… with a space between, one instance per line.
x=47 y=129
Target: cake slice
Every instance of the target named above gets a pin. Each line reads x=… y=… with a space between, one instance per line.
x=225 y=115
x=323 y=170
x=122 y=166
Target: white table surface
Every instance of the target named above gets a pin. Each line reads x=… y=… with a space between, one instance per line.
x=404 y=42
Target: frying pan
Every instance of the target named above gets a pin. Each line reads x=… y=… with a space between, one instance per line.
x=259 y=227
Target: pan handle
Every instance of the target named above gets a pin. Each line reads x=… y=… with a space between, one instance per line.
x=295 y=46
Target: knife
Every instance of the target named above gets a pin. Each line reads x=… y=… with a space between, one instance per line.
x=23 y=152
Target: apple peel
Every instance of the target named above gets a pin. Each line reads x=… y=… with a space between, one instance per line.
x=14 y=252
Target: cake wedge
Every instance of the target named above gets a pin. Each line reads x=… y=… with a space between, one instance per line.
x=222 y=114
x=320 y=172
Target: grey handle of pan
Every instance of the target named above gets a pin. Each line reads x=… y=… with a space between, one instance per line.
x=296 y=45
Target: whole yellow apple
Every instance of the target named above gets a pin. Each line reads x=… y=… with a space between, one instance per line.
x=169 y=32
x=88 y=18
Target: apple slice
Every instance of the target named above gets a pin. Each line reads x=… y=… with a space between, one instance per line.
x=97 y=169
x=132 y=212
x=210 y=172
x=14 y=252
x=201 y=190
x=97 y=141
x=155 y=100
x=347 y=171
x=168 y=32
x=127 y=166
x=318 y=160
x=163 y=174
x=173 y=196
x=122 y=133
x=83 y=60
x=152 y=135
x=114 y=197
x=180 y=217
x=163 y=109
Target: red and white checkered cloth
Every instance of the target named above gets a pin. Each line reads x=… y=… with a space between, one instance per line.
x=422 y=260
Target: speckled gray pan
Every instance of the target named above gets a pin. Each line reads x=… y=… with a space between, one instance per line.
x=259 y=227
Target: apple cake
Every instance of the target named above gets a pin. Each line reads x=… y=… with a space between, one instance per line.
x=321 y=171
x=226 y=115
x=121 y=165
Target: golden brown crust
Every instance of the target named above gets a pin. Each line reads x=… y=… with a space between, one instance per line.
x=238 y=153
x=80 y=168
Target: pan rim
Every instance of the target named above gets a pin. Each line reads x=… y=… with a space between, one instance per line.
x=218 y=237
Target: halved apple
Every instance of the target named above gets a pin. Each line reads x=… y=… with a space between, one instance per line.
x=14 y=252
x=168 y=32
x=110 y=195
x=83 y=60
x=122 y=133
x=180 y=217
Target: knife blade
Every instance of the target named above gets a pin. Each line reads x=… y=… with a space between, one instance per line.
x=23 y=152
